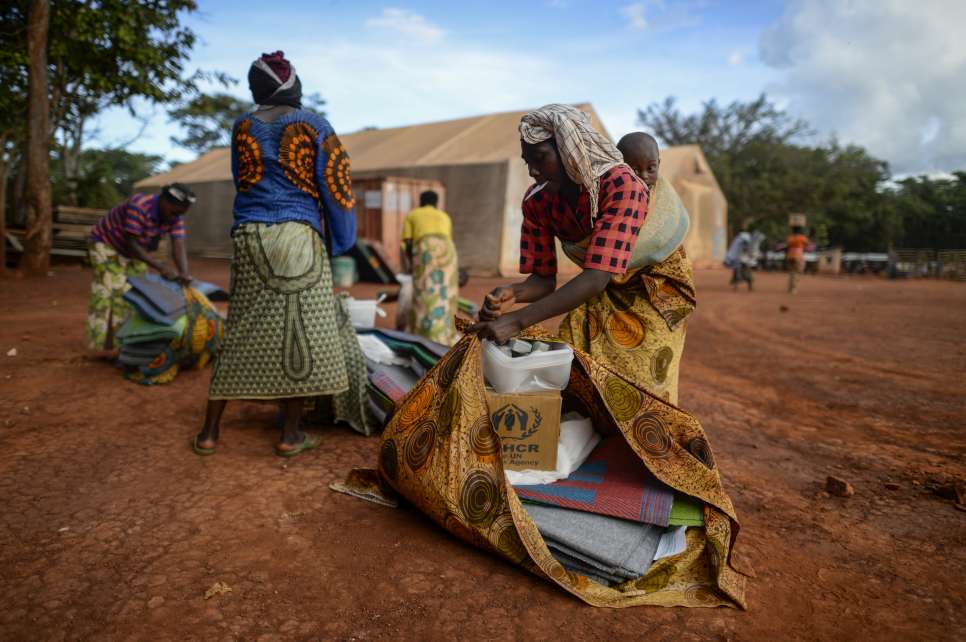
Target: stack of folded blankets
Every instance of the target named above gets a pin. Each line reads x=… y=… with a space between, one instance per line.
x=395 y=362
x=608 y=517
x=171 y=328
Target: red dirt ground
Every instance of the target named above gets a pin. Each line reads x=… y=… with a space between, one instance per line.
x=112 y=529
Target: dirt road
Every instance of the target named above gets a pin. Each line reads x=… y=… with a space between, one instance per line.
x=111 y=529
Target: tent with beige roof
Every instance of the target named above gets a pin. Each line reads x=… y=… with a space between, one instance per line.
x=477 y=160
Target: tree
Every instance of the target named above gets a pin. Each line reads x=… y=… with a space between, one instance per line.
x=111 y=52
x=756 y=154
x=933 y=211
x=107 y=176
x=723 y=131
x=207 y=119
x=38 y=236
x=100 y=53
x=13 y=99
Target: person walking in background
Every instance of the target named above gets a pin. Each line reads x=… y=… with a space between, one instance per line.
x=795 y=256
x=743 y=255
x=286 y=338
x=120 y=247
x=430 y=255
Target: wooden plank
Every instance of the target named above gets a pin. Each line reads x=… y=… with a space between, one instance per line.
x=79 y=215
x=76 y=228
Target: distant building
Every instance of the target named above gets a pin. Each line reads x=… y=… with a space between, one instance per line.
x=688 y=170
x=478 y=161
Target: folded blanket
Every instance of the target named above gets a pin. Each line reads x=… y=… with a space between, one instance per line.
x=614 y=482
x=151 y=349
x=379 y=415
x=615 y=549
x=686 y=511
x=166 y=296
x=393 y=381
x=377 y=351
x=135 y=361
x=428 y=352
x=377 y=397
x=147 y=309
x=140 y=330
x=587 y=570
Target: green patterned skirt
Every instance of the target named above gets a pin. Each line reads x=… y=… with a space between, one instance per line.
x=282 y=336
x=108 y=310
x=436 y=290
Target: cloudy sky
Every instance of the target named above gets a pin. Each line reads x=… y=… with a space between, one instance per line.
x=886 y=74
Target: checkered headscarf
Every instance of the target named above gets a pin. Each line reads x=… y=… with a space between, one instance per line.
x=586 y=153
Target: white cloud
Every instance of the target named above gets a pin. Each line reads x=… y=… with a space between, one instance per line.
x=371 y=79
x=407 y=23
x=735 y=58
x=886 y=74
x=388 y=84
x=663 y=15
x=635 y=15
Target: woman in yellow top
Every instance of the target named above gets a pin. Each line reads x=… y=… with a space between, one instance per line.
x=428 y=251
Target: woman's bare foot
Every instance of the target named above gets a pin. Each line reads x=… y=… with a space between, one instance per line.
x=292 y=445
x=205 y=441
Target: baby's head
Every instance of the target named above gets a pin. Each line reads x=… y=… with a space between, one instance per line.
x=641 y=153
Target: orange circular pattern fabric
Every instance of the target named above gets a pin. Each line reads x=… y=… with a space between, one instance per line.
x=593 y=325
x=296 y=155
x=337 y=175
x=416 y=407
x=622 y=398
x=249 y=157
x=625 y=329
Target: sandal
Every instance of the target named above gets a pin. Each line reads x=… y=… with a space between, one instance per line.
x=307 y=444
x=203 y=452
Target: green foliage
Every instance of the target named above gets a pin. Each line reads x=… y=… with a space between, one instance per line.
x=106 y=176
x=101 y=53
x=13 y=76
x=766 y=174
x=722 y=131
x=314 y=102
x=206 y=120
x=933 y=211
x=107 y=52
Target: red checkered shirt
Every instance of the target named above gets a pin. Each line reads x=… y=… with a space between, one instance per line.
x=622 y=207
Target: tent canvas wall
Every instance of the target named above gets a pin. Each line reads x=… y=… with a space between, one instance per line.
x=478 y=161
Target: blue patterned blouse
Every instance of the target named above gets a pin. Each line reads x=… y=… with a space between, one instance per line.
x=293 y=169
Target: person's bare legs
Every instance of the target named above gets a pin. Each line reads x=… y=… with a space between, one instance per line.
x=208 y=437
x=292 y=435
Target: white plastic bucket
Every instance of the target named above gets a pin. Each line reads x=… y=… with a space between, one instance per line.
x=363 y=312
x=531 y=373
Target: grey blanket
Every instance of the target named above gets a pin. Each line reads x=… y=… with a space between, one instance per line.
x=601 y=547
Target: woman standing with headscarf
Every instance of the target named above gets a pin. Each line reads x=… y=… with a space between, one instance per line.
x=286 y=337
x=628 y=306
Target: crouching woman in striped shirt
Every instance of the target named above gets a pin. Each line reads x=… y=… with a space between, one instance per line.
x=120 y=247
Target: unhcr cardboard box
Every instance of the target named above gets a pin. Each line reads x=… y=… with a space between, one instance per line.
x=529 y=428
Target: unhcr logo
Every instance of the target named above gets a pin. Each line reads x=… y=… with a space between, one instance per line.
x=515 y=422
